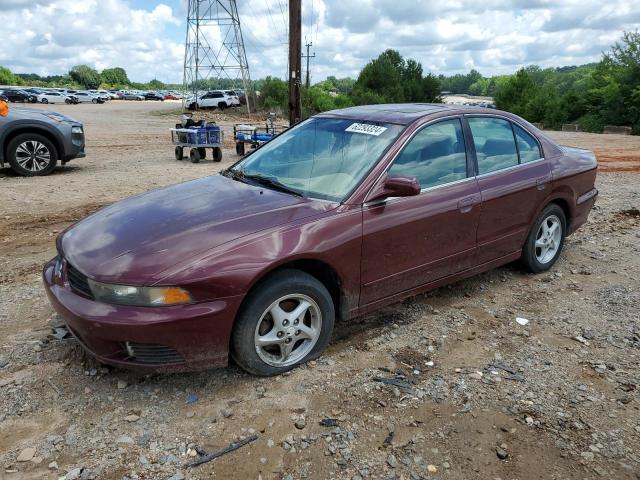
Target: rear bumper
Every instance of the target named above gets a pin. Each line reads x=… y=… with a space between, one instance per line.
x=182 y=338
x=584 y=204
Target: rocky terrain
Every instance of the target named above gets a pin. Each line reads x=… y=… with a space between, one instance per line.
x=506 y=375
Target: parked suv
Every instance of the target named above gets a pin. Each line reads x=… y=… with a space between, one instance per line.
x=33 y=141
x=212 y=100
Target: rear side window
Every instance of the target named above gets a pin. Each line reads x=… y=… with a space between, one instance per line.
x=528 y=147
x=494 y=142
x=435 y=155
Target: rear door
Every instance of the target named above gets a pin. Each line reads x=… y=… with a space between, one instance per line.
x=412 y=241
x=513 y=178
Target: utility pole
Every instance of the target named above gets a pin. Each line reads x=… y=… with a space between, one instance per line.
x=295 y=60
x=307 y=56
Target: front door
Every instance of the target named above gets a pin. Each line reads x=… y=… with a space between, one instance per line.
x=412 y=241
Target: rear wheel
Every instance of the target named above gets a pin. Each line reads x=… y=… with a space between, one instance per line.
x=94 y=100
x=545 y=240
x=222 y=105
x=179 y=153
x=194 y=155
x=44 y=100
x=286 y=321
x=217 y=154
x=31 y=155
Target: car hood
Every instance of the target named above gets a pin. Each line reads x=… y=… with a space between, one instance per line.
x=134 y=240
x=20 y=113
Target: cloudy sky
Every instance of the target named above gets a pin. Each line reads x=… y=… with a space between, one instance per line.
x=146 y=37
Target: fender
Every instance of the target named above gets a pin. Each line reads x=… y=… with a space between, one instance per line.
x=31 y=126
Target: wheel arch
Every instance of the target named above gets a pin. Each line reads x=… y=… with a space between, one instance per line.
x=19 y=130
x=320 y=270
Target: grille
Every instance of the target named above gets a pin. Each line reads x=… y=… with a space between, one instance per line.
x=78 y=281
x=150 y=353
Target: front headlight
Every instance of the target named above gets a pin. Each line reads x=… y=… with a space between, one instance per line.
x=139 y=296
x=76 y=129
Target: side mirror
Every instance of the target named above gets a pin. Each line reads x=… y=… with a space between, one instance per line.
x=395 y=186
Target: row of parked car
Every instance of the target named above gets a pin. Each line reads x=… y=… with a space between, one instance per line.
x=70 y=96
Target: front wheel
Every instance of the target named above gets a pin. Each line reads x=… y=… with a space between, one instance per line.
x=179 y=153
x=44 y=100
x=194 y=155
x=286 y=321
x=31 y=155
x=545 y=240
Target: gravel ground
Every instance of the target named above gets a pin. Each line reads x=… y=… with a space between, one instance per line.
x=444 y=385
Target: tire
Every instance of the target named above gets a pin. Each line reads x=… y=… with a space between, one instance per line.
x=545 y=240
x=240 y=148
x=217 y=154
x=286 y=289
x=94 y=100
x=194 y=155
x=193 y=106
x=67 y=101
x=179 y=153
x=44 y=100
x=222 y=106
x=203 y=152
x=20 y=148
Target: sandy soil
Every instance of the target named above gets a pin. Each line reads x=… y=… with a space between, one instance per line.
x=480 y=396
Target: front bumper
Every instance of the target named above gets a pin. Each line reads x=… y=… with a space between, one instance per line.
x=74 y=144
x=169 y=339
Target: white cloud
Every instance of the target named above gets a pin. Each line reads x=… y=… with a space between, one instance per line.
x=50 y=36
x=493 y=36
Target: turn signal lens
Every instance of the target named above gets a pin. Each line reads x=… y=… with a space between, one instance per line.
x=175 y=296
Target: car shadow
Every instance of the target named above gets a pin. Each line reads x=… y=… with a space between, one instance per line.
x=7 y=172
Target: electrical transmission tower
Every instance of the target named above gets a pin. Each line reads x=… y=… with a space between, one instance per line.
x=214 y=48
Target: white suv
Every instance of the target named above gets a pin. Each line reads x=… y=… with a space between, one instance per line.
x=216 y=98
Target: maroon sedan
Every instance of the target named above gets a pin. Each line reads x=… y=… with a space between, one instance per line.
x=340 y=215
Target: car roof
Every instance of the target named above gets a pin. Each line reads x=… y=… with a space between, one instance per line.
x=400 y=113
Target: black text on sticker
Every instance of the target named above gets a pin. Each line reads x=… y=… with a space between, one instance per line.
x=365 y=128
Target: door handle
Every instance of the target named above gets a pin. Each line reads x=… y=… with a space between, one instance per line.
x=466 y=204
x=541 y=182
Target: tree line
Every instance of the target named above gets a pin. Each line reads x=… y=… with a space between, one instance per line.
x=592 y=95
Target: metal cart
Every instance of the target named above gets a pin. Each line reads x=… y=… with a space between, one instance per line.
x=244 y=134
x=198 y=139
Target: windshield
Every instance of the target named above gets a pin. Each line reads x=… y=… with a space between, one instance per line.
x=322 y=157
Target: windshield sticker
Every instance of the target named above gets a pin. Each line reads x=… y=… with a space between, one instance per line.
x=365 y=128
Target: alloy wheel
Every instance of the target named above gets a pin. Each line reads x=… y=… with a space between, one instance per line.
x=33 y=156
x=288 y=330
x=548 y=239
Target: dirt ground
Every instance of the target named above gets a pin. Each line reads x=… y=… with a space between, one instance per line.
x=476 y=394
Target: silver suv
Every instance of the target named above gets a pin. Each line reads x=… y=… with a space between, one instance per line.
x=33 y=141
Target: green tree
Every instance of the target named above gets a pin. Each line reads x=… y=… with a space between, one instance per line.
x=116 y=77
x=85 y=76
x=391 y=79
x=7 y=77
x=274 y=94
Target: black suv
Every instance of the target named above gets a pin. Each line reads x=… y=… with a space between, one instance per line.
x=18 y=95
x=32 y=141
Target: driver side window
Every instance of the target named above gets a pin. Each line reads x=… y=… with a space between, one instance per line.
x=435 y=155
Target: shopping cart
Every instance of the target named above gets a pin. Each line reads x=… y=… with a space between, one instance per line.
x=198 y=139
